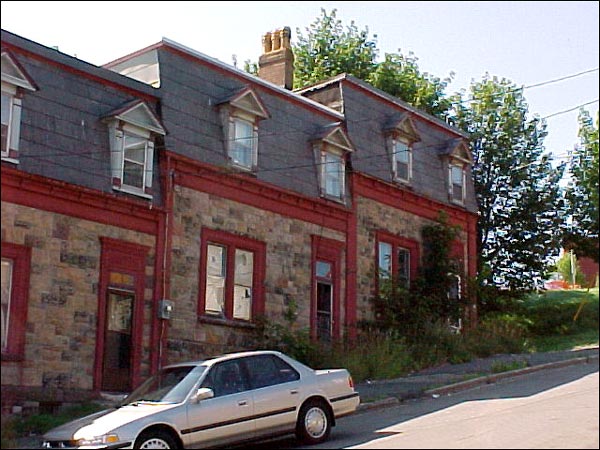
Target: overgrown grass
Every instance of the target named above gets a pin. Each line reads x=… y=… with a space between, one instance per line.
x=36 y=424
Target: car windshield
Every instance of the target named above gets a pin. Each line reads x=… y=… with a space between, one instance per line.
x=170 y=385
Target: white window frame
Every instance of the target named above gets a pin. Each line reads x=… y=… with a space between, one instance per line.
x=7 y=272
x=118 y=134
x=453 y=167
x=13 y=122
x=233 y=139
x=396 y=161
x=326 y=174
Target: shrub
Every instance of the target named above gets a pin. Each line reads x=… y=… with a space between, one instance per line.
x=501 y=333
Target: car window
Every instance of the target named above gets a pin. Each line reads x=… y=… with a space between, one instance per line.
x=267 y=370
x=226 y=378
x=170 y=384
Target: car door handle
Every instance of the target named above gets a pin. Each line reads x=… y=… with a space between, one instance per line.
x=294 y=391
x=242 y=403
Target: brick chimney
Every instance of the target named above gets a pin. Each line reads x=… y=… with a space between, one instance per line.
x=276 y=64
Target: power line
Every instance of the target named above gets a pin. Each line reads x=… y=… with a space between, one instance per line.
x=542 y=83
x=570 y=109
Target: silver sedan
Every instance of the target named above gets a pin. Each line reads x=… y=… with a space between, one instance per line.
x=222 y=400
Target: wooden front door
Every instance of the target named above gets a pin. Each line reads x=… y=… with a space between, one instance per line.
x=116 y=370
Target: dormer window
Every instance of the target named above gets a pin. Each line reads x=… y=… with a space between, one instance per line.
x=132 y=130
x=333 y=174
x=459 y=159
x=331 y=151
x=240 y=116
x=401 y=134
x=243 y=147
x=402 y=158
x=15 y=82
x=457 y=183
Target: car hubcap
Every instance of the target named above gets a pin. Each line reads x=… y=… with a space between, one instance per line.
x=315 y=422
x=155 y=443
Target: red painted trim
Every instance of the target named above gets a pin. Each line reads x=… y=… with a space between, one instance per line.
x=82 y=73
x=402 y=199
x=328 y=250
x=256 y=86
x=130 y=258
x=351 y=268
x=241 y=188
x=234 y=242
x=21 y=257
x=64 y=198
x=399 y=242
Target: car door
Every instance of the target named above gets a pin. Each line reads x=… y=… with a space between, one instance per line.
x=276 y=392
x=228 y=416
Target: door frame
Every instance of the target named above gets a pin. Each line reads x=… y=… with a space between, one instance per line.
x=126 y=257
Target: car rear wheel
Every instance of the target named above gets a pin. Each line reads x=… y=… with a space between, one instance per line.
x=155 y=439
x=314 y=423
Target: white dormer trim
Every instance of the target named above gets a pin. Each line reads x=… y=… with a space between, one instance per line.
x=139 y=115
x=13 y=73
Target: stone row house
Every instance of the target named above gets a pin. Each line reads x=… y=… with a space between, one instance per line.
x=154 y=208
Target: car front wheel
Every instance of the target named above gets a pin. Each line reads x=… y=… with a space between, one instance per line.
x=314 y=424
x=155 y=439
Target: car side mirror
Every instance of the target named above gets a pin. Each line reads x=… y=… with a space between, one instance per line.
x=203 y=394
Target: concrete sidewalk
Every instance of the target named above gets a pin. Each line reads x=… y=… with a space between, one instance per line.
x=454 y=377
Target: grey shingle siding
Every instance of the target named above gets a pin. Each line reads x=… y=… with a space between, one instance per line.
x=62 y=134
x=366 y=116
x=189 y=93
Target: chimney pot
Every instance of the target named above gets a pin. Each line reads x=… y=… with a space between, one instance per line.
x=276 y=64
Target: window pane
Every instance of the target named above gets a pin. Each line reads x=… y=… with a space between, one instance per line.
x=402 y=170
x=120 y=309
x=333 y=175
x=404 y=266
x=215 y=279
x=243 y=145
x=323 y=270
x=135 y=148
x=401 y=152
x=242 y=291
x=457 y=175
x=324 y=297
x=457 y=183
x=385 y=259
x=7 y=269
x=133 y=174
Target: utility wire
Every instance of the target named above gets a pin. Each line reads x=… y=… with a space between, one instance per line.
x=542 y=83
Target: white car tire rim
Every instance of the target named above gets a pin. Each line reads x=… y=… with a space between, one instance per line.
x=315 y=422
x=155 y=443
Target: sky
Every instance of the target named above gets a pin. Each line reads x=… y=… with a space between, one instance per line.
x=554 y=43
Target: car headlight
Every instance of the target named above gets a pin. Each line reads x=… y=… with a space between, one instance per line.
x=98 y=440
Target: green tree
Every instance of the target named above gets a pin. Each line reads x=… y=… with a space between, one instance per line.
x=582 y=190
x=517 y=187
x=399 y=75
x=328 y=50
x=565 y=266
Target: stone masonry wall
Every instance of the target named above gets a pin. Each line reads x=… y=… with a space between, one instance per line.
x=288 y=269
x=63 y=297
x=373 y=217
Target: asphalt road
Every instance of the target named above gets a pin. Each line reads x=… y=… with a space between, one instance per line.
x=551 y=408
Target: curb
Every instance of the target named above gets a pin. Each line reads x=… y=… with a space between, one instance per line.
x=486 y=379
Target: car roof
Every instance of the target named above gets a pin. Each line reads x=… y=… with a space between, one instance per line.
x=214 y=359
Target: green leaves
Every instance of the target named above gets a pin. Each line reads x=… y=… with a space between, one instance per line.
x=517 y=187
x=328 y=49
x=582 y=191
